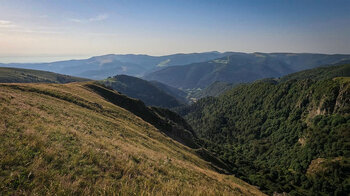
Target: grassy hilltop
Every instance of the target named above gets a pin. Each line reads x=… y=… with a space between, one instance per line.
x=17 y=75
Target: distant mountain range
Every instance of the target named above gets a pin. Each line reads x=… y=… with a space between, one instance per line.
x=240 y=68
x=179 y=77
x=188 y=71
x=217 y=88
x=101 y=67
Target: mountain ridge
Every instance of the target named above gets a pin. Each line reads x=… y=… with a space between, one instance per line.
x=240 y=68
x=100 y=67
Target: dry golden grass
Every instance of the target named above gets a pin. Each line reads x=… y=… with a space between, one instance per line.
x=65 y=139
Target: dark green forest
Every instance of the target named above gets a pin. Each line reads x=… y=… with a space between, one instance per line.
x=283 y=135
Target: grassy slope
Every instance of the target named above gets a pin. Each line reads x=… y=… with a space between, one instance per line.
x=67 y=139
x=16 y=75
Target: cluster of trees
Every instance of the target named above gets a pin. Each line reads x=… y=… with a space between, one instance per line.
x=290 y=136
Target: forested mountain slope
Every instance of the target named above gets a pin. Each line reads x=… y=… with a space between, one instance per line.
x=240 y=68
x=85 y=139
x=289 y=136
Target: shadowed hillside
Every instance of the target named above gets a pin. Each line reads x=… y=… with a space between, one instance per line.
x=141 y=89
x=175 y=92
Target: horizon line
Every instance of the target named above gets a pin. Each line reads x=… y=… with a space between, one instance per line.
x=72 y=57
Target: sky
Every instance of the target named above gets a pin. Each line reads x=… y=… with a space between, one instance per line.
x=48 y=30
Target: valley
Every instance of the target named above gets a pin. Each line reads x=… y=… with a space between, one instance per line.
x=70 y=135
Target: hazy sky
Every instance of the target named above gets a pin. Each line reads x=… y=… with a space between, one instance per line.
x=33 y=29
